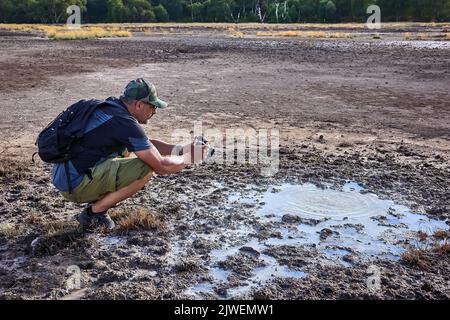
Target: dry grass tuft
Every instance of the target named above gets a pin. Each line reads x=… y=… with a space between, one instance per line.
x=86 y=33
x=34 y=218
x=442 y=248
x=408 y=36
x=422 y=236
x=441 y=234
x=423 y=36
x=60 y=32
x=16 y=169
x=236 y=34
x=427 y=36
x=306 y=30
x=137 y=219
x=10 y=230
x=415 y=257
x=345 y=144
x=59 y=227
x=17 y=27
x=436 y=244
x=376 y=36
x=57 y=235
x=303 y=34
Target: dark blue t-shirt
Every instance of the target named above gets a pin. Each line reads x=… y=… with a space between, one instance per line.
x=110 y=130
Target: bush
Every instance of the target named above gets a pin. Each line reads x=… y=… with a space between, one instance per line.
x=161 y=14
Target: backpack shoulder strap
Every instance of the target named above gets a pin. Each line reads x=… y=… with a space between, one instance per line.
x=112 y=103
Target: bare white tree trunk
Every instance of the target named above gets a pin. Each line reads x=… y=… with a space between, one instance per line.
x=276 y=10
x=259 y=13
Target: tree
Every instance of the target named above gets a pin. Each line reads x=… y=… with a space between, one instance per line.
x=6 y=10
x=116 y=10
x=327 y=10
x=307 y=10
x=139 y=11
x=53 y=11
x=218 y=10
x=97 y=11
x=359 y=7
x=282 y=11
x=161 y=14
x=175 y=8
x=198 y=10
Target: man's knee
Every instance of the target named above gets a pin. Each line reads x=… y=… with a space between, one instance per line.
x=145 y=179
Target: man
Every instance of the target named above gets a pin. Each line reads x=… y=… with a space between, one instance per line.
x=118 y=159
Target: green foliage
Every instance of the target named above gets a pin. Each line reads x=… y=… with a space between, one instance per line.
x=96 y=10
x=218 y=10
x=327 y=10
x=129 y=11
x=161 y=13
x=54 y=11
x=175 y=8
x=44 y=11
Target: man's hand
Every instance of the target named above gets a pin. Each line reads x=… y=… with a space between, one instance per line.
x=197 y=154
x=194 y=152
x=162 y=165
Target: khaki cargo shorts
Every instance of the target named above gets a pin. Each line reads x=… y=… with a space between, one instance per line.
x=109 y=176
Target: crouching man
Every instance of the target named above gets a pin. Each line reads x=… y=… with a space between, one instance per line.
x=117 y=158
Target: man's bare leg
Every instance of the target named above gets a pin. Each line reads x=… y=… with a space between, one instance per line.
x=115 y=197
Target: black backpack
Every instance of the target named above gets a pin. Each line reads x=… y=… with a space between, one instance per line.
x=60 y=140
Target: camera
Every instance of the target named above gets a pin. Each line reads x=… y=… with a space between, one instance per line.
x=202 y=141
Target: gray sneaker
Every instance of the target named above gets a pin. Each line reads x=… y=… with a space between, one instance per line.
x=90 y=220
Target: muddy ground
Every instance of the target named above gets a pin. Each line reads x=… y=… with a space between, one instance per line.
x=372 y=111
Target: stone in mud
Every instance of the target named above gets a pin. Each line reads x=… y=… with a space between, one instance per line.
x=427 y=287
x=202 y=245
x=86 y=265
x=100 y=265
x=289 y=218
x=241 y=264
x=112 y=276
x=157 y=246
x=187 y=266
x=311 y=222
x=379 y=218
x=325 y=233
x=348 y=258
x=250 y=251
x=358 y=227
x=328 y=290
x=267 y=234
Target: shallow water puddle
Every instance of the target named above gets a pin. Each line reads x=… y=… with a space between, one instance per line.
x=350 y=219
x=341 y=224
x=112 y=241
x=260 y=275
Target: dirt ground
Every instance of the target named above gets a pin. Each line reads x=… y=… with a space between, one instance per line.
x=366 y=110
